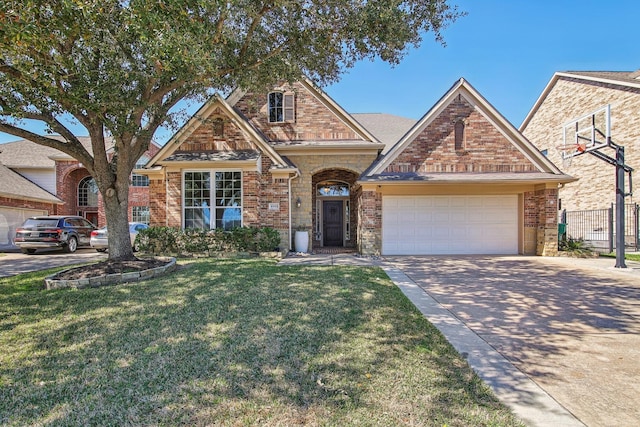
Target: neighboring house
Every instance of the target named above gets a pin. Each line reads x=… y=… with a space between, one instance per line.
x=19 y=199
x=462 y=180
x=571 y=95
x=38 y=180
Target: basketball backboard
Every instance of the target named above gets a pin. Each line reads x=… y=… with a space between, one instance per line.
x=589 y=132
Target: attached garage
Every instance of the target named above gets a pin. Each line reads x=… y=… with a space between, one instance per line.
x=450 y=224
x=12 y=218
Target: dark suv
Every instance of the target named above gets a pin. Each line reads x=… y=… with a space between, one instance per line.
x=64 y=232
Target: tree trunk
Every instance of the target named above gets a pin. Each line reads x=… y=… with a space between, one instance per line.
x=116 y=211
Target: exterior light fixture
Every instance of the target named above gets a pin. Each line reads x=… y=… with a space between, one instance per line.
x=298 y=202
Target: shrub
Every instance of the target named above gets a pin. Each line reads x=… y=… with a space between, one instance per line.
x=576 y=246
x=167 y=240
x=158 y=240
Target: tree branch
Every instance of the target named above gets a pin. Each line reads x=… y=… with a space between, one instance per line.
x=252 y=28
x=73 y=148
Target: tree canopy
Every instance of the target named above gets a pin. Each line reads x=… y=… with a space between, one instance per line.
x=119 y=67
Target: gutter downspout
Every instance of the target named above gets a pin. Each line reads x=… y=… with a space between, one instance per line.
x=297 y=174
x=166 y=199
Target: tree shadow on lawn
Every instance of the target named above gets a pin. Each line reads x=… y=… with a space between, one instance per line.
x=529 y=307
x=235 y=342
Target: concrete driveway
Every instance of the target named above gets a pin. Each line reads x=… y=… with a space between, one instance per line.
x=571 y=325
x=12 y=263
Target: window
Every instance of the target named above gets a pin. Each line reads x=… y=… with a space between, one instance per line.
x=459 y=135
x=545 y=152
x=140 y=180
x=218 y=128
x=87 y=192
x=333 y=189
x=281 y=107
x=140 y=214
x=225 y=200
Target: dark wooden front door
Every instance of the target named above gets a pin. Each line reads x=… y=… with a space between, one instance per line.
x=332 y=224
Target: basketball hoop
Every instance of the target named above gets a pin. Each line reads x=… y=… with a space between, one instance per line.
x=569 y=151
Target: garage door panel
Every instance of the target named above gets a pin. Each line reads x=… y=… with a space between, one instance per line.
x=449 y=225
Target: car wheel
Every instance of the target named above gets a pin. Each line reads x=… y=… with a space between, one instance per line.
x=101 y=250
x=28 y=251
x=72 y=245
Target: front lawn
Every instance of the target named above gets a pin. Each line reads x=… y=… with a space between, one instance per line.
x=226 y=342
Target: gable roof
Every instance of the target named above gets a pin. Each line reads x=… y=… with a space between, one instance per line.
x=462 y=87
x=387 y=128
x=196 y=121
x=14 y=185
x=630 y=79
x=325 y=99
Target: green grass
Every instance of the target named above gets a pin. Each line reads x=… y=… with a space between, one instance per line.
x=630 y=257
x=226 y=342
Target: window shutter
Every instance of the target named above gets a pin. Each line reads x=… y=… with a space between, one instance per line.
x=289 y=107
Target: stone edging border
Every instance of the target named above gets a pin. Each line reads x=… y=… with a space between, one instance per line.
x=111 y=279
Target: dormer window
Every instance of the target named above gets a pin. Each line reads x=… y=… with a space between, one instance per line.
x=281 y=107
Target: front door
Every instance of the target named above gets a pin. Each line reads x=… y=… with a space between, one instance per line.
x=332 y=223
x=92 y=217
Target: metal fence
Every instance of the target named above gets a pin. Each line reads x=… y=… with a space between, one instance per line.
x=597 y=227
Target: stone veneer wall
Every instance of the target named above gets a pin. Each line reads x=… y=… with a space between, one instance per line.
x=303 y=186
x=571 y=98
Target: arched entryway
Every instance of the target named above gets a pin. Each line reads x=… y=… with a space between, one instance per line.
x=334 y=209
x=80 y=193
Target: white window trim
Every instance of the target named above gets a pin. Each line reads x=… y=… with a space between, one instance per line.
x=212 y=206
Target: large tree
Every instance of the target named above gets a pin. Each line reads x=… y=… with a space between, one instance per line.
x=119 y=67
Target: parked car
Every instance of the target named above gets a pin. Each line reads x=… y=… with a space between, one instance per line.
x=99 y=238
x=57 y=231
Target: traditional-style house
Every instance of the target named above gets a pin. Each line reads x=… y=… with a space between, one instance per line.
x=462 y=180
x=38 y=180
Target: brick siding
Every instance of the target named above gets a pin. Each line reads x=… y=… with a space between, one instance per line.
x=313 y=120
x=486 y=149
x=11 y=202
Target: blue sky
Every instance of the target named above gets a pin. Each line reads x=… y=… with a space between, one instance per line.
x=507 y=49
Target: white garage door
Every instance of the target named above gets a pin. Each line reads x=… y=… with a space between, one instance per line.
x=431 y=225
x=12 y=218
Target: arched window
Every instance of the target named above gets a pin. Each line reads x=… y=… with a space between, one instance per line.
x=87 y=192
x=459 y=135
x=333 y=189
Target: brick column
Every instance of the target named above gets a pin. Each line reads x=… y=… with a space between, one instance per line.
x=370 y=222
